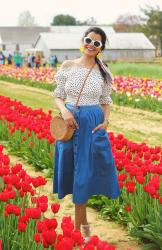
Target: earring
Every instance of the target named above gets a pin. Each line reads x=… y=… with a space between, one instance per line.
x=82 y=49
x=99 y=55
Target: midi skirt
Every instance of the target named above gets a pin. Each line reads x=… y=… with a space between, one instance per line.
x=84 y=165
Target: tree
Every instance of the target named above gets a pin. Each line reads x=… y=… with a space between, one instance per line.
x=128 y=23
x=89 y=21
x=153 y=24
x=25 y=19
x=64 y=20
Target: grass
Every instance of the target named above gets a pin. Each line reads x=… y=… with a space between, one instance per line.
x=135 y=124
x=27 y=82
x=137 y=69
x=30 y=96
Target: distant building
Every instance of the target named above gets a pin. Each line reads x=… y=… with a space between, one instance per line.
x=130 y=46
x=19 y=38
x=63 y=45
x=75 y=29
x=0 y=43
x=65 y=42
x=121 y=46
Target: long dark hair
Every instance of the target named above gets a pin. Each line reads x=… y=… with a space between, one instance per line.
x=104 y=38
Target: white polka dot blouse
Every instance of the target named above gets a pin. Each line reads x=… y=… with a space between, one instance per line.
x=69 y=80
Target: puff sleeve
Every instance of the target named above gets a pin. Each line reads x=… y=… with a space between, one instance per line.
x=60 y=79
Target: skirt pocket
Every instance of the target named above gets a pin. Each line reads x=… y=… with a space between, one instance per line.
x=101 y=152
x=100 y=139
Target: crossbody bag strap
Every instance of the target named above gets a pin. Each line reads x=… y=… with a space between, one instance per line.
x=83 y=87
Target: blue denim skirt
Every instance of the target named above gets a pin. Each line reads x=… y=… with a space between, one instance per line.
x=84 y=165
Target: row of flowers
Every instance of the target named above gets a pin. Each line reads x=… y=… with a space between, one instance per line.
x=128 y=85
x=138 y=87
x=139 y=93
x=139 y=166
x=23 y=220
x=28 y=132
x=42 y=74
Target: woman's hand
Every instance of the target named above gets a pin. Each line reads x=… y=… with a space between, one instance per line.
x=100 y=126
x=69 y=119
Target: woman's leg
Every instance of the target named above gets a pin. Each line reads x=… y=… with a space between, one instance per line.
x=81 y=219
x=79 y=215
x=84 y=221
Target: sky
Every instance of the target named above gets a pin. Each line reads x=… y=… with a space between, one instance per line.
x=104 y=11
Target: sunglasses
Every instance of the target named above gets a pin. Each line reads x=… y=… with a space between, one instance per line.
x=88 y=40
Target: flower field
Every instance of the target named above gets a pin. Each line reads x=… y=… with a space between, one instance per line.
x=138 y=92
x=31 y=74
x=139 y=87
x=23 y=222
x=139 y=169
x=145 y=93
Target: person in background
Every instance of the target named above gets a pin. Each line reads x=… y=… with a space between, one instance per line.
x=2 y=58
x=32 y=60
x=9 y=59
x=21 y=59
x=53 y=61
x=37 y=61
x=43 y=61
x=18 y=59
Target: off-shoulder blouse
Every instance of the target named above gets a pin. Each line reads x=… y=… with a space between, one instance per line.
x=70 y=79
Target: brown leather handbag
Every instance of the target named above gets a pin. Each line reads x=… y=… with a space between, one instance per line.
x=58 y=127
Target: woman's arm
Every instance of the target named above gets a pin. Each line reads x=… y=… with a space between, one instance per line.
x=65 y=113
x=60 y=104
x=104 y=124
x=106 y=110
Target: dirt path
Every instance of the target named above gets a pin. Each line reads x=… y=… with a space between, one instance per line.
x=137 y=124
x=110 y=231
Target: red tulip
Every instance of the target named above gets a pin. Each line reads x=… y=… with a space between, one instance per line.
x=49 y=236
x=34 y=213
x=50 y=223
x=37 y=237
x=128 y=208
x=55 y=208
x=0 y=244
x=21 y=226
x=77 y=237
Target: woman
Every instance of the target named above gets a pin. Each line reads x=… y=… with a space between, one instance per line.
x=2 y=58
x=37 y=61
x=84 y=165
